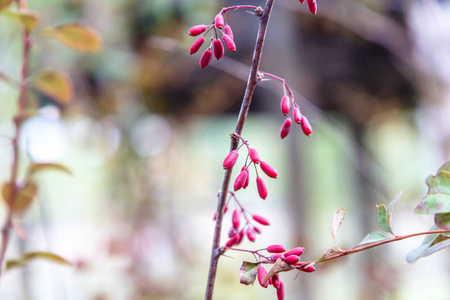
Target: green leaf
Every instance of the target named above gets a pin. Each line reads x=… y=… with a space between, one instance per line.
x=248 y=272
x=383 y=218
x=442 y=221
x=373 y=237
x=76 y=36
x=54 y=84
x=34 y=168
x=392 y=204
x=5 y=3
x=336 y=222
x=432 y=243
x=35 y=255
x=437 y=199
x=28 y=20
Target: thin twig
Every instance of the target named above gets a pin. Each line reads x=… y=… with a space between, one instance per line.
x=251 y=85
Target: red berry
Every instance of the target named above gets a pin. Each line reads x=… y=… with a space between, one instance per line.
x=257 y=230
x=275 y=257
x=276 y=282
x=312 y=5
x=236 y=219
x=218 y=48
x=262 y=189
x=248 y=177
x=254 y=156
x=240 y=236
x=262 y=272
x=197 y=29
x=206 y=58
x=276 y=249
x=229 y=43
x=268 y=169
x=232 y=241
x=230 y=160
x=227 y=30
x=232 y=232
x=261 y=220
x=291 y=259
x=301 y=1
x=284 y=131
x=285 y=105
x=280 y=291
x=218 y=21
x=251 y=235
x=306 y=127
x=309 y=269
x=240 y=180
x=296 y=251
x=297 y=115
x=197 y=44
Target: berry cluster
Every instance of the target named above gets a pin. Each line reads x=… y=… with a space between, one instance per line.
x=312 y=5
x=236 y=233
x=242 y=180
x=288 y=102
x=219 y=25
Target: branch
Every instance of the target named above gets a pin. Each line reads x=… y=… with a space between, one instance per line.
x=251 y=85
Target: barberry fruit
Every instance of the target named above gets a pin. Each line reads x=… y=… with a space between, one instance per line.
x=280 y=291
x=312 y=5
x=227 y=30
x=261 y=220
x=251 y=235
x=218 y=49
x=276 y=249
x=232 y=232
x=291 y=259
x=306 y=127
x=197 y=44
x=297 y=115
x=197 y=29
x=248 y=177
x=254 y=156
x=257 y=230
x=285 y=128
x=268 y=169
x=240 y=180
x=262 y=189
x=276 y=256
x=230 y=160
x=218 y=21
x=308 y=269
x=229 y=43
x=236 y=219
x=296 y=251
x=285 y=105
x=232 y=241
x=276 y=282
x=206 y=58
x=262 y=272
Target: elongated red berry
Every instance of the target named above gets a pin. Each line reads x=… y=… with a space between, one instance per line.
x=285 y=105
x=240 y=180
x=276 y=249
x=206 y=58
x=230 y=160
x=262 y=272
x=285 y=128
x=236 y=219
x=262 y=189
x=291 y=259
x=276 y=282
x=257 y=230
x=280 y=291
x=254 y=156
x=232 y=241
x=197 y=29
x=306 y=127
x=197 y=44
x=218 y=21
x=251 y=235
x=312 y=5
x=232 y=232
x=227 y=30
x=218 y=48
x=309 y=269
x=268 y=169
x=296 y=251
x=244 y=168
x=276 y=256
x=297 y=115
x=301 y=1
x=229 y=42
x=240 y=236
x=261 y=220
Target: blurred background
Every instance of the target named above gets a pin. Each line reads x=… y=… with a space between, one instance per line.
x=147 y=131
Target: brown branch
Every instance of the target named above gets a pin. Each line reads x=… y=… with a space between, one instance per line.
x=18 y=120
x=251 y=85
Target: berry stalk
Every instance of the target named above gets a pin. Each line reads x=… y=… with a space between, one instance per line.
x=251 y=85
